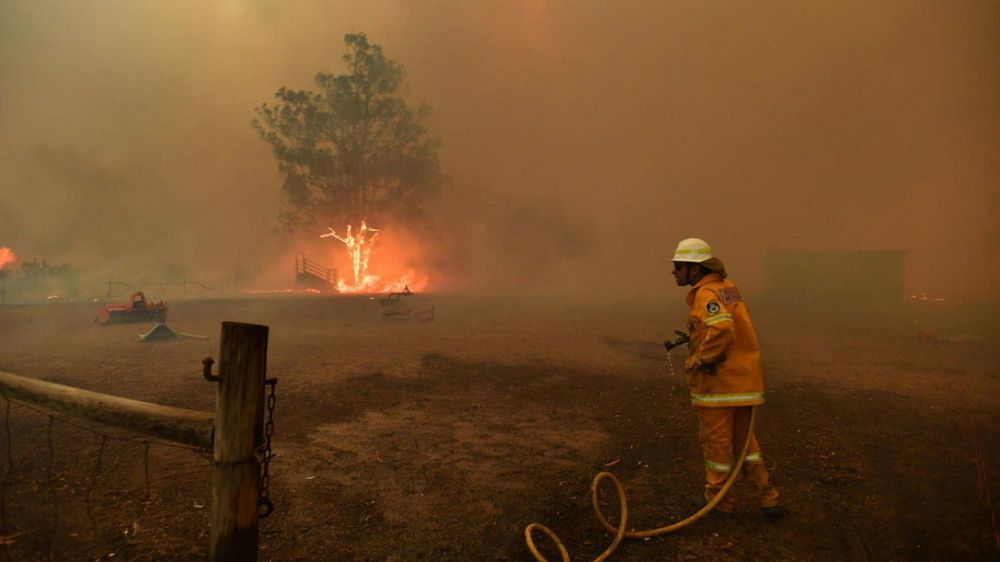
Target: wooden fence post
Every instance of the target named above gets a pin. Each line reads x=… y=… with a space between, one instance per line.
x=235 y=466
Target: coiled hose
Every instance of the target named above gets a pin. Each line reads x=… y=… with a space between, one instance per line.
x=619 y=531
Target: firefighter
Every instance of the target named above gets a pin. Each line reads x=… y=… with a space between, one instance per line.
x=724 y=375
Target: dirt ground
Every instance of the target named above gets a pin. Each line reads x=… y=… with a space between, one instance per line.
x=405 y=440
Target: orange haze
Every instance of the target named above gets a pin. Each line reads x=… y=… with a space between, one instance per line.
x=582 y=139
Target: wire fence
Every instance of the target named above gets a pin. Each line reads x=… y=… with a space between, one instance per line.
x=71 y=491
x=46 y=463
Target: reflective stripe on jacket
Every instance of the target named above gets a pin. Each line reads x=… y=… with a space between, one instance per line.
x=722 y=335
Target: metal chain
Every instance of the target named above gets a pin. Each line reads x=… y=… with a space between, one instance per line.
x=264 y=505
x=53 y=490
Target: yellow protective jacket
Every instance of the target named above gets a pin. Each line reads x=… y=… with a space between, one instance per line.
x=722 y=340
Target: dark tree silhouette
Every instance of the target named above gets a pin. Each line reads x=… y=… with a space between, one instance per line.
x=354 y=150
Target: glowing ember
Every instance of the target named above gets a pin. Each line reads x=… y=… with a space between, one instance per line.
x=922 y=296
x=6 y=256
x=282 y=291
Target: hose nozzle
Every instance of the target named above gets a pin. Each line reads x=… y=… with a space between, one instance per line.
x=681 y=339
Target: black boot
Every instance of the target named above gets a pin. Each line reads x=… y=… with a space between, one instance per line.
x=716 y=513
x=774 y=512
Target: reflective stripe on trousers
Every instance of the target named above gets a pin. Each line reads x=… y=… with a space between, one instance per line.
x=712 y=399
x=721 y=432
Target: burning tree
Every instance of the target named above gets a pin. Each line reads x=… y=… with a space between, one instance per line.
x=360 y=246
x=354 y=150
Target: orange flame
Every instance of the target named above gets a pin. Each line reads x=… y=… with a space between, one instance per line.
x=374 y=284
x=6 y=256
x=360 y=247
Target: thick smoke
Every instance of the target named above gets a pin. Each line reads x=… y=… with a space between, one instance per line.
x=582 y=140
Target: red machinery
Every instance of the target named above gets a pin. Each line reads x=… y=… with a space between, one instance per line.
x=136 y=310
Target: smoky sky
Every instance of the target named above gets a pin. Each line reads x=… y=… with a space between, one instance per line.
x=582 y=139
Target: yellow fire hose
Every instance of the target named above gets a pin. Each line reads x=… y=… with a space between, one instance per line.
x=620 y=531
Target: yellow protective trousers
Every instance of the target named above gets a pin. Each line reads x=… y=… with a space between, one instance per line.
x=721 y=432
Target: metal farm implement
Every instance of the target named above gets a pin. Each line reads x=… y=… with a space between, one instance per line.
x=138 y=309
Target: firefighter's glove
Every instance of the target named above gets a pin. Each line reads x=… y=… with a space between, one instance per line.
x=691 y=363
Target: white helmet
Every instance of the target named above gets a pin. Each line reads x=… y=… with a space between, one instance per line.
x=692 y=250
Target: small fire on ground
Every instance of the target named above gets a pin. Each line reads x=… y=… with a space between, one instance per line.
x=6 y=256
x=282 y=291
x=360 y=245
x=924 y=297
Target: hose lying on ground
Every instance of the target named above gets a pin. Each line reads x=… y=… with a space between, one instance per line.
x=620 y=531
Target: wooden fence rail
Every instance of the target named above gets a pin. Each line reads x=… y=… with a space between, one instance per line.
x=188 y=427
x=232 y=433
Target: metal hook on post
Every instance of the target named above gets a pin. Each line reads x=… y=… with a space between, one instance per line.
x=264 y=508
x=206 y=370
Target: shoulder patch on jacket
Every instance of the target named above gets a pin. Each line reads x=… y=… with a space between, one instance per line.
x=729 y=295
x=713 y=308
